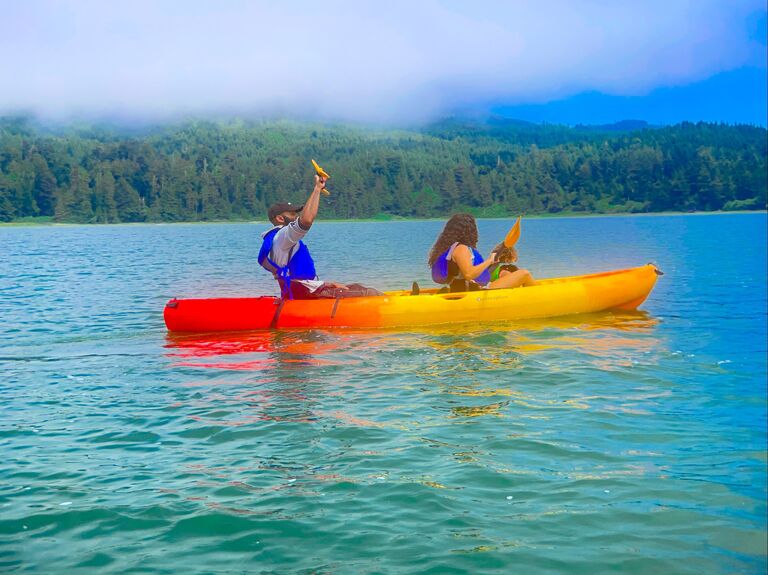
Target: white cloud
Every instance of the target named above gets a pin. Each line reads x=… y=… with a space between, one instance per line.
x=356 y=60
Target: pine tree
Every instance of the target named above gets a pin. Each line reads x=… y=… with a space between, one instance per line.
x=129 y=206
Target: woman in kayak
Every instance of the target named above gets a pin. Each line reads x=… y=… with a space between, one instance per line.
x=455 y=261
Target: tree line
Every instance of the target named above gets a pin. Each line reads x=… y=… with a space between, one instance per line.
x=204 y=170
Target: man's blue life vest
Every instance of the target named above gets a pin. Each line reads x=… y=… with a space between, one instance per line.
x=443 y=274
x=300 y=265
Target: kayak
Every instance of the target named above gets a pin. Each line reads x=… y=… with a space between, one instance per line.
x=613 y=290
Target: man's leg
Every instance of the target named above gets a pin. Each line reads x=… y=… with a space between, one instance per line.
x=359 y=290
x=335 y=290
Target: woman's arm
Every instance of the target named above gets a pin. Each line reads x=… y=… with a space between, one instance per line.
x=463 y=258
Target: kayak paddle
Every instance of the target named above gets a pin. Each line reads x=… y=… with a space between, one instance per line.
x=513 y=234
x=323 y=174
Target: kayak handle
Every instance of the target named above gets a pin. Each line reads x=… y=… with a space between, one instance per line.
x=656 y=269
x=452 y=296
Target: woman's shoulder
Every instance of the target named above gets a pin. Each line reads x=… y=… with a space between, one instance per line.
x=461 y=249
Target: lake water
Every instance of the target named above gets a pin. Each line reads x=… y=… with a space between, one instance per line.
x=632 y=443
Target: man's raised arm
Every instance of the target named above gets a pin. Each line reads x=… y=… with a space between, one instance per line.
x=307 y=215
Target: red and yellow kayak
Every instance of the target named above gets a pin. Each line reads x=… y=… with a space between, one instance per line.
x=618 y=290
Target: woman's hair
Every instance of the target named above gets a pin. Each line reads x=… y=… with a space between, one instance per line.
x=460 y=228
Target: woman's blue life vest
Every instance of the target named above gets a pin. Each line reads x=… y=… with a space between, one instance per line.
x=443 y=274
x=300 y=265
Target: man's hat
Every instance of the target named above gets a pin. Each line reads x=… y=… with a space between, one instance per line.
x=280 y=207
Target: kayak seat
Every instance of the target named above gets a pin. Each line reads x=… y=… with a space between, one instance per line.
x=461 y=285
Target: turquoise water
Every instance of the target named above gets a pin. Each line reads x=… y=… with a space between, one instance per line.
x=632 y=442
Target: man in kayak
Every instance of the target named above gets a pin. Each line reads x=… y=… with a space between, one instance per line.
x=285 y=256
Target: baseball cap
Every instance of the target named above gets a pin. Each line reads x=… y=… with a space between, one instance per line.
x=280 y=207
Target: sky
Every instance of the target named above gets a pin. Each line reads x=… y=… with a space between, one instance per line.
x=557 y=61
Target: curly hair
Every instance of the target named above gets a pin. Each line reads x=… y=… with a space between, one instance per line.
x=460 y=228
x=505 y=254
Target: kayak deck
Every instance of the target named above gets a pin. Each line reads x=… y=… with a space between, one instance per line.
x=619 y=289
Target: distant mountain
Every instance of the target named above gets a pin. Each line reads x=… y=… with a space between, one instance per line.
x=510 y=122
x=738 y=96
x=497 y=122
x=622 y=126
x=524 y=133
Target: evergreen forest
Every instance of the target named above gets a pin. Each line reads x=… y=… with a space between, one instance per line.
x=234 y=169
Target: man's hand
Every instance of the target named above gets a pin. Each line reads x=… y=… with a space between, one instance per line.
x=320 y=184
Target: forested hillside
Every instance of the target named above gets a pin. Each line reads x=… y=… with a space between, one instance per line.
x=236 y=169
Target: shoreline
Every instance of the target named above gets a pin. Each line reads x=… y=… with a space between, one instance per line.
x=569 y=215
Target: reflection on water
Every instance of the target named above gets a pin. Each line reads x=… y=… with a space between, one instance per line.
x=280 y=369
x=307 y=344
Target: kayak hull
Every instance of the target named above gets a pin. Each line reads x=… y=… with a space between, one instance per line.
x=619 y=289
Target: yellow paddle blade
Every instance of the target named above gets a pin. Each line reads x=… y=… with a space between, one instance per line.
x=323 y=174
x=320 y=171
x=513 y=235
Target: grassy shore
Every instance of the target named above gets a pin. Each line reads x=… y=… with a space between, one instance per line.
x=49 y=221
